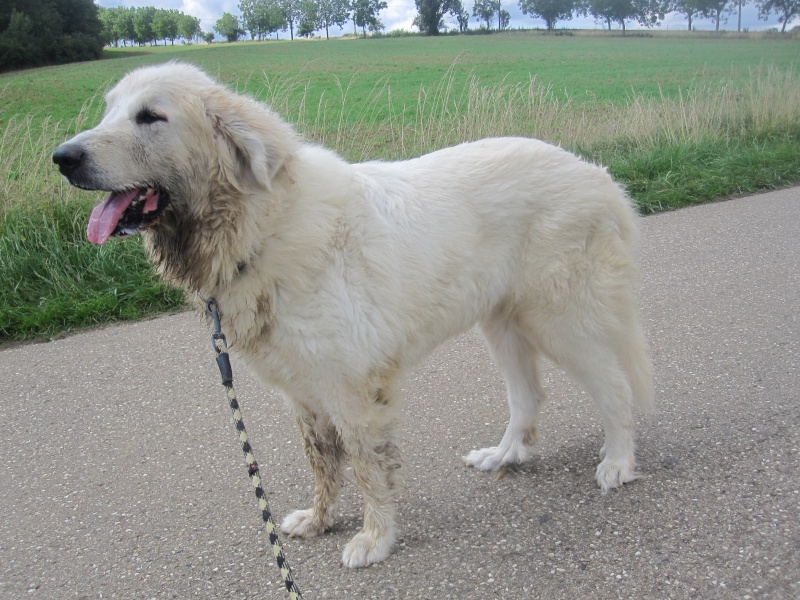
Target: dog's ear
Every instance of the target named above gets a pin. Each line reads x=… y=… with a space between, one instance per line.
x=257 y=143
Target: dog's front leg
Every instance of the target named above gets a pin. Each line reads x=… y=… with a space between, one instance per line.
x=325 y=451
x=376 y=460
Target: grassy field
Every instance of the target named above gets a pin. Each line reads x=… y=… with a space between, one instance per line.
x=580 y=68
x=678 y=120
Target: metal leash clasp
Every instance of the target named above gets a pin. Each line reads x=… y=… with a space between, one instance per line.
x=219 y=343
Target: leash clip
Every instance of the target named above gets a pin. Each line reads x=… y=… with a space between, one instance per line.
x=219 y=343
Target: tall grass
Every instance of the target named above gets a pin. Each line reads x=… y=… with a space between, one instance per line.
x=703 y=144
x=454 y=111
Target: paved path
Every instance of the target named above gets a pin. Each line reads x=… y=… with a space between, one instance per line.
x=121 y=476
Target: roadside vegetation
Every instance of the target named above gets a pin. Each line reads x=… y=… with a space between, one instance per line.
x=679 y=131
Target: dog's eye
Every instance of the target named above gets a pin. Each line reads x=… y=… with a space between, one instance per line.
x=147 y=116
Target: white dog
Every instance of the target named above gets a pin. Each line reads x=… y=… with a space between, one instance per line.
x=335 y=279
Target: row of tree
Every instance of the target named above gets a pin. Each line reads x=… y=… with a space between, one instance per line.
x=648 y=13
x=45 y=32
x=261 y=18
x=147 y=24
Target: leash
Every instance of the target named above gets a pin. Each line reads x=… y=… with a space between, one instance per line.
x=220 y=346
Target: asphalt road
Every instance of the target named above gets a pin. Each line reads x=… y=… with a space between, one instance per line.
x=121 y=475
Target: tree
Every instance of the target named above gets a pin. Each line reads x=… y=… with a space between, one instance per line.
x=17 y=46
x=645 y=12
x=208 y=36
x=463 y=20
x=308 y=18
x=39 y=32
x=690 y=8
x=503 y=19
x=262 y=17
x=250 y=21
x=485 y=10
x=228 y=27
x=365 y=14
x=785 y=9
x=107 y=16
x=123 y=24
x=143 y=24
x=431 y=14
x=165 y=25
x=189 y=27
x=332 y=12
x=550 y=11
x=292 y=13
x=713 y=9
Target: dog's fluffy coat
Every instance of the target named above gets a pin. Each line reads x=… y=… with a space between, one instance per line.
x=334 y=279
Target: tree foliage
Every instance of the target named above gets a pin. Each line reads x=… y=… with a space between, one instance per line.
x=645 y=12
x=262 y=17
x=147 y=25
x=713 y=9
x=332 y=12
x=785 y=9
x=689 y=8
x=365 y=14
x=485 y=10
x=228 y=27
x=430 y=14
x=550 y=11
x=41 y=32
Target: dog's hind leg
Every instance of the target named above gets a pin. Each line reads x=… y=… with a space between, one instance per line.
x=517 y=359
x=325 y=451
x=591 y=360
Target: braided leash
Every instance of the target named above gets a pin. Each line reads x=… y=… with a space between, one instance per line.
x=220 y=345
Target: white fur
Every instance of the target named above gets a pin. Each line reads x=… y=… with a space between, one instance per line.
x=355 y=272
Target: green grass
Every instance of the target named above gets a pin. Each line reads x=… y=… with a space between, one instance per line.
x=52 y=281
x=677 y=120
x=597 y=68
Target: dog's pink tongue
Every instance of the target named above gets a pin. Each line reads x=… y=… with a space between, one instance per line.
x=106 y=215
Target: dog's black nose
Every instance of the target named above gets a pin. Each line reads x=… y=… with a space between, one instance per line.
x=68 y=157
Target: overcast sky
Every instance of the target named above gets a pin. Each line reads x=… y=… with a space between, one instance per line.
x=400 y=13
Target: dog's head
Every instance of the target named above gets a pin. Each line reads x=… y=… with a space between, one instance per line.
x=170 y=138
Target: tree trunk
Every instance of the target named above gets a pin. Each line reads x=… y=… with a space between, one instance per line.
x=739 y=27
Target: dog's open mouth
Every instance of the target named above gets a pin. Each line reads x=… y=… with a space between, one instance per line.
x=125 y=213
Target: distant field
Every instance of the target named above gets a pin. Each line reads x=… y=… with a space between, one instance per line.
x=677 y=119
x=582 y=68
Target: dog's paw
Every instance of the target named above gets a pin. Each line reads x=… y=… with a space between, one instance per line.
x=366 y=549
x=491 y=459
x=612 y=474
x=303 y=524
